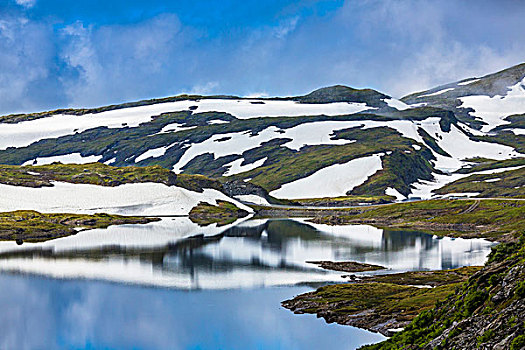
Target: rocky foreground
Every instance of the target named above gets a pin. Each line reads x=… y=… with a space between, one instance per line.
x=469 y=308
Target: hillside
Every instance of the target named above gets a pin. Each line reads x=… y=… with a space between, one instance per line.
x=94 y=188
x=336 y=141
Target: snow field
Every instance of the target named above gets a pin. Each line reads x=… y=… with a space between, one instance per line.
x=332 y=181
x=147 y=199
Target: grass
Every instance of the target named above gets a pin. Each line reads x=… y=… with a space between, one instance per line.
x=223 y=213
x=505 y=138
x=483 y=310
x=282 y=165
x=494 y=219
x=346 y=266
x=298 y=164
x=99 y=174
x=482 y=164
x=380 y=302
x=345 y=200
x=32 y=226
x=510 y=183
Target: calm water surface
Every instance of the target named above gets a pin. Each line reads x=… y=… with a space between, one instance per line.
x=174 y=285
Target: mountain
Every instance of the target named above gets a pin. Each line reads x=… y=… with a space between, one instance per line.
x=341 y=93
x=336 y=141
x=484 y=102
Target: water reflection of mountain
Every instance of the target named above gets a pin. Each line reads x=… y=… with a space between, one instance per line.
x=262 y=250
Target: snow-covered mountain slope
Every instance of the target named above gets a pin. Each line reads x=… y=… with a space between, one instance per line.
x=482 y=102
x=145 y=199
x=335 y=141
x=97 y=188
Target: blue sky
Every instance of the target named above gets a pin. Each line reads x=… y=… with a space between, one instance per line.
x=60 y=53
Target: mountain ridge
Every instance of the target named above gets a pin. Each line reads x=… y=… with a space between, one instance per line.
x=276 y=143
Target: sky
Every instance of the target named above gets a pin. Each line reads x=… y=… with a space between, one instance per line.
x=63 y=53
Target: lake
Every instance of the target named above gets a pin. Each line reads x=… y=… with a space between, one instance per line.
x=175 y=285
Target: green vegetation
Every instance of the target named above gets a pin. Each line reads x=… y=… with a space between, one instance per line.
x=31 y=226
x=400 y=169
x=122 y=146
x=494 y=219
x=346 y=266
x=431 y=142
x=99 y=174
x=505 y=138
x=486 y=309
x=223 y=213
x=340 y=93
x=510 y=183
x=425 y=278
x=481 y=311
x=380 y=302
x=289 y=165
x=345 y=201
x=482 y=164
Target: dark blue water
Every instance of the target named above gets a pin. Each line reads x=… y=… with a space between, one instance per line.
x=40 y=313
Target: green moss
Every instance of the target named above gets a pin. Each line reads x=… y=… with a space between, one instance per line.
x=471 y=301
x=223 y=213
x=520 y=290
x=482 y=164
x=378 y=300
x=509 y=183
x=32 y=226
x=345 y=200
x=518 y=343
x=340 y=93
x=488 y=218
x=99 y=174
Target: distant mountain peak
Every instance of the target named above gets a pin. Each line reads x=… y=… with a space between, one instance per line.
x=342 y=93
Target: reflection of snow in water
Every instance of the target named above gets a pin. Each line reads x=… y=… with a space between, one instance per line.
x=253 y=253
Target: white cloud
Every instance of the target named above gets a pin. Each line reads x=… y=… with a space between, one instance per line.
x=26 y=60
x=286 y=27
x=26 y=3
x=120 y=62
x=257 y=95
x=205 y=89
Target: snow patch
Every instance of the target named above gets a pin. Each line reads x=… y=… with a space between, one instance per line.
x=218 y=121
x=397 y=104
x=246 y=109
x=518 y=131
x=153 y=153
x=469 y=82
x=252 y=198
x=393 y=192
x=72 y=158
x=147 y=199
x=494 y=110
x=175 y=127
x=332 y=181
x=237 y=168
x=437 y=92
x=461 y=194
